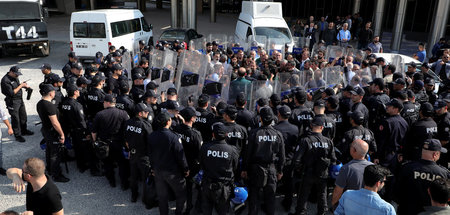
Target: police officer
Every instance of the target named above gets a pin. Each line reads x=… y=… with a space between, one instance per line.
x=150 y=98
x=264 y=162
x=72 y=60
x=419 y=91
x=12 y=89
x=192 y=141
x=137 y=131
x=46 y=70
x=244 y=116
x=329 y=128
x=315 y=153
x=357 y=96
x=356 y=132
x=76 y=71
x=290 y=137
x=172 y=95
x=236 y=134
x=429 y=89
x=124 y=101
x=219 y=161
x=52 y=132
x=205 y=120
x=137 y=90
x=422 y=129
x=301 y=115
x=169 y=164
x=112 y=83
x=57 y=83
x=82 y=84
x=260 y=103
x=74 y=123
x=331 y=110
x=344 y=106
x=410 y=112
x=95 y=97
x=376 y=103
x=415 y=178
x=108 y=126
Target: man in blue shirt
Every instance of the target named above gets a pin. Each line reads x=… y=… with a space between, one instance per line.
x=344 y=35
x=367 y=198
x=421 y=55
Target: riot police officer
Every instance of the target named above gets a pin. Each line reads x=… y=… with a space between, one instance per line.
x=75 y=125
x=244 y=116
x=410 y=112
x=150 y=98
x=46 y=70
x=112 y=83
x=376 y=103
x=442 y=119
x=204 y=121
x=76 y=71
x=263 y=163
x=168 y=163
x=108 y=127
x=124 y=101
x=57 y=83
x=301 y=115
x=137 y=90
x=236 y=134
x=95 y=96
x=192 y=141
x=315 y=153
x=290 y=137
x=357 y=96
x=12 y=89
x=415 y=178
x=219 y=161
x=72 y=60
x=356 y=132
x=329 y=128
x=331 y=110
x=422 y=129
x=137 y=130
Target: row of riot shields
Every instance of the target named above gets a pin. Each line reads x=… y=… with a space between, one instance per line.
x=163 y=64
x=253 y=91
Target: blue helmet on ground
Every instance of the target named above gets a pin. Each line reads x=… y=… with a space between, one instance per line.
x=334 y=170
x=198 y=177
x=240 y=195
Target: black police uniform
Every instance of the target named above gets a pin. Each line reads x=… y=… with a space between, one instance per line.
x=377 y=110
x=244 y=117
x=66 y=69
x=14 y=104
x=109 y=125
x=203 y=124
x=363 y=109
x=410 y=112
x=301 y=117
x=70 y=79
x=192 y=141
x=432 y=96
x=74 y=122
x=421 y=97
x=344 y=108
x=263 y=160
x=112 y=85
x=236 y=135
x=290 y=136
x=329 y=126
x=94 y=102
x=219 y=161
x=137 y=91
x=315 y=153
x=168 y=162
x=413 y=181
x=59 y=97
x=391 y=137
x=443 y=134
x=336 y=116
x=357 y=132
x=420 y=131
x=136 y=133
x=124 y=102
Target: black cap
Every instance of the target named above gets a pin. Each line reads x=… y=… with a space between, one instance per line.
x=434 y=145
x=214 y=43
x=150 y=93
x=15 y=70
x=261 y=102
x=117 y=67
x=318 y=121
x=117 y=54
x=412 y=64
x=300 y=95
x=418 y=84
x=266 y=114
x=221 y=106
x=368 y=49
x=395 y=103
x=358 y=91
x=439 y=104
x=380 y=59
x=162 y=118
x=152 y=85
x=71 y=88
x=46 y=88
x=357 y=116
x=188 y=112
x=319 y=103
x=348 y=88
x=275 y=98
x=77 y=65
x=137 y=76
x=429 y=82
x=329 y=91
x=83 y=80
x=378 y=82
x=333 y=101
x=91 y=69
x=109 y=98
x=231 y=110
x=172 y=91
x=425 y=65
x=142 y=107
x=400 y=81
x=54 y=78
x=203 y=98
x=219 y=130
x=427 y=109
x=173 y=105
x=45 y=66
x=284 y=111
x=72 y=54
x=240 y=98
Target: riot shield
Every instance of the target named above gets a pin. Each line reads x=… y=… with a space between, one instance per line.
x=318 y=47
x=127 y=64
x=397 y=61
x=168 y=72
x=198 y=45
x=333 y=75
x=287 y=81
x=334 y=52
x=217 y=83
x=237 y=87
x=313 y=80
x=260 y=89
x=254 y=41
x=359 y=56
x=190 y=76
x=366 y=75
x=275 y=44
x=221 y=40
x=349 y=51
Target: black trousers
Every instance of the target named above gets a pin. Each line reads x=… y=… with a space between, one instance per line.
x=166 y=181
x=116 y=156
x=268 y=192
x=52 y=153
x=137 y=173
x=16 y=109
x=288 y=184
x=215 y=196
x=81 y=148
x=310 y=181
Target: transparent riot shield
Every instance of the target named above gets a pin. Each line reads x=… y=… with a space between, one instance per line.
x=359 y=56
x=238 y=86
x=397 y=61
x=217 y=83
x=260 y=89
x=333 y=75
x=365 y=75
x=198 y=45
x=254 y=41
x=314 y=80
x=168 y=72
x=349 y=51
x=318 y=47
x=190 y=76
x=127 y=64
x=220 y=39
x=334 y=52
x=275 y=44
x=232 y=42
x=286 y=81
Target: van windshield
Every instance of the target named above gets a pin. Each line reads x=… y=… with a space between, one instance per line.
x=19 y=10
x=274 y=33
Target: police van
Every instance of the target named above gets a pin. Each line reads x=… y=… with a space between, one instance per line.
x=263 y=20
x=96 y=30
x=23 y=28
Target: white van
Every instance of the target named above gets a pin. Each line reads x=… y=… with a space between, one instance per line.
x=96 y=30
x=263 y=19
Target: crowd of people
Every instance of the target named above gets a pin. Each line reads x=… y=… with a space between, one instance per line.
x=378 y=138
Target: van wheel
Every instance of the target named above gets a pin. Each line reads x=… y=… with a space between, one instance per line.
x=43 y=52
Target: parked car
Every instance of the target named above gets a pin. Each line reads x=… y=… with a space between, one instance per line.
x=185 y=35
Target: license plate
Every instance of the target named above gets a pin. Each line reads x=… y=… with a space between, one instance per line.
x=81 y=46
